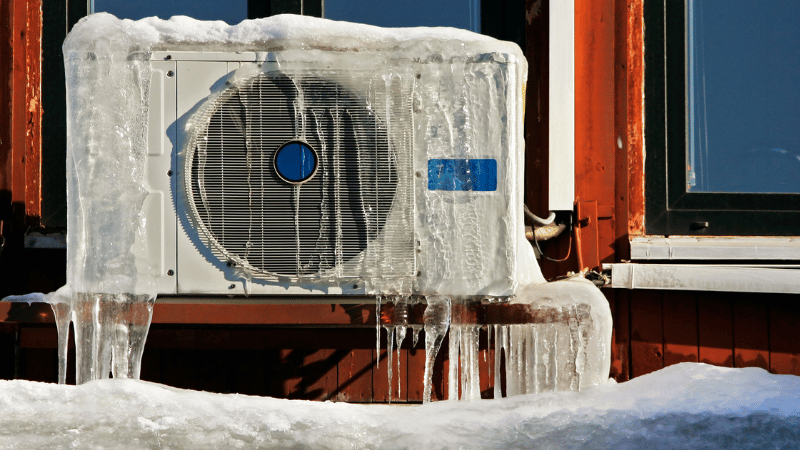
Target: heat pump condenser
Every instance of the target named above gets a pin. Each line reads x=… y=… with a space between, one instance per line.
x=311 y=171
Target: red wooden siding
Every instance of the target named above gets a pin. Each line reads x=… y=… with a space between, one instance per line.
x=328 y=352
x=20 y=105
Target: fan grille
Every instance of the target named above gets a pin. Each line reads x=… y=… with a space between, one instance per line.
x=248 y=216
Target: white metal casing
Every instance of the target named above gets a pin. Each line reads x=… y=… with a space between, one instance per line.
x=450 y=259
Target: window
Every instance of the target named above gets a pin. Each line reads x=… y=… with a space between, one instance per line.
x=231 y=12
x=464 y=14
x=722 y=118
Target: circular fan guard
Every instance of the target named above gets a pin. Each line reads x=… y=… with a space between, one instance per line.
x=248 y=216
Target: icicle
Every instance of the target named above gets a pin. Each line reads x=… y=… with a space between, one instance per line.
x=530 y=358
x=547 y=357
x=400 y=335
x=322 y=246
x=437 y=321
x=61 y=312
x=389 y=350
x=498 y=350
x=400 y=320
x=378 y=299
x=85 y=339
x=134 y=314
x=470 y=375
x=488 y=332
x=512 y=362
x=415 y=336
x=585 y=329
x=452 y=377
x=475 y=373
x=571 y=368
x=298 y=266
x=338 y=249
x=509 y=358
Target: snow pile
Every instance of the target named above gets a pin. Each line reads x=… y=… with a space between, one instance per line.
x=272 y=34
x=684 y=406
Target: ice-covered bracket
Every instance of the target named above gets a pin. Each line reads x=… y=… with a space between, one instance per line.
x=290 y=155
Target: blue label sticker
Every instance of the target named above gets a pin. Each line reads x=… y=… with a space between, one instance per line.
x=462 y=175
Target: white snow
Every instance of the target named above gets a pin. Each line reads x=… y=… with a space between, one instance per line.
x=687 y=406
x=272 y=33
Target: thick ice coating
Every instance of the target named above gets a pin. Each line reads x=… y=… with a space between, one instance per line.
x=288 y=155
x=416 y=136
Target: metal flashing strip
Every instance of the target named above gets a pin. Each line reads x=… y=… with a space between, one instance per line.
x=714 y=248
x=783 y=279
x=561 y=167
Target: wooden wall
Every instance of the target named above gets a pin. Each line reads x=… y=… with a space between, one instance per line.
x=20 y=107
x=337 y=364
x=652 y=329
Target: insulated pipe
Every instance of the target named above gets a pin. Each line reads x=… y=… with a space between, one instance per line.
x=545 y=232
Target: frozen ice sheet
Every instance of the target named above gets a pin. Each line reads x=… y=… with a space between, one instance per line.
x=686 y=406
x=468 y=106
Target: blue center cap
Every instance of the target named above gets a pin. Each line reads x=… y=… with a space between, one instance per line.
x=296 y=162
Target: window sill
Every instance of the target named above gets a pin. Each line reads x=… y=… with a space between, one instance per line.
x=783 y=279
x=715 y=248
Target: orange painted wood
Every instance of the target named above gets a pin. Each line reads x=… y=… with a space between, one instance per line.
x=444 y=354
x=355 y=376
x=320 y=375
x=32 y=158
x=594 y=105
x=38 y=337
x=619 y=301
x=7 y=41
x=20 y=64
x=647 y=347
x=784 y=339
x=39 y=365
x=715 y=329
x=288 y=375
x=415 y=373
x=380 y=377
x=485 y=365
x=587 y=235
x=179 y=368
x=620 y=204
x=750 y=332
x=635 y=108
x=19 y=81
x=680 y=328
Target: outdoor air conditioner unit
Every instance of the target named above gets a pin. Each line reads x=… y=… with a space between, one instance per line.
x=306 y=173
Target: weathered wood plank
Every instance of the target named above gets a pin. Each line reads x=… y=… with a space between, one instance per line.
x=647 y=333
x=680 y=328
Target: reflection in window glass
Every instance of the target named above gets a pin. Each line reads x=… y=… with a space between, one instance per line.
x=412 y=13
x=743 y=96
x=232 y=12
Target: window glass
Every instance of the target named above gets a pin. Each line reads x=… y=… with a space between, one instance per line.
x=743 y=96
x=411 y=13
x=232 y=12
